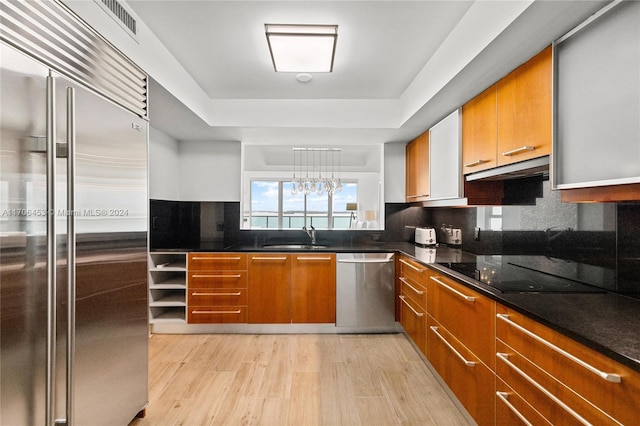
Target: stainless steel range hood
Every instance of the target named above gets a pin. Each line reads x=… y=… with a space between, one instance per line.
x=528 y=168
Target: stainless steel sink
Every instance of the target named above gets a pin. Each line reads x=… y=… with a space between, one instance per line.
x=294 y=246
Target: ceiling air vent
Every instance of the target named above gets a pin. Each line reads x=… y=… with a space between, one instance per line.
x=118 y=12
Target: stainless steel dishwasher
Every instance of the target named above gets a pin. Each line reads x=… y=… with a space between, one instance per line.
x=365 y=292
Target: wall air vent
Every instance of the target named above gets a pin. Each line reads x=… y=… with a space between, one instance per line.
x=118 y=12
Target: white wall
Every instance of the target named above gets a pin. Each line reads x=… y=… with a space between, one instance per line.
x=209 y=171
x=394 y=172
x=164 y=175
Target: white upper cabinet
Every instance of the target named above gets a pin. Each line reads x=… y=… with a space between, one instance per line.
x=597 y=125
x=444 y=158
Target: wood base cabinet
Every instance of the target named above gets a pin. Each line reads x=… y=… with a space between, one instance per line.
x=412 y=278
x=313 y=288
x=217 y=288
x=564 y=380
x=468 y=378
x=269 y=288
x=513 y=410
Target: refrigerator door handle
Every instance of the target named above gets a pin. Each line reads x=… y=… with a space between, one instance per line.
x=71 y=252
x=51 y=255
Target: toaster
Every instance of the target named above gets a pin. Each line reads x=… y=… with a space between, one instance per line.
x=426 y=236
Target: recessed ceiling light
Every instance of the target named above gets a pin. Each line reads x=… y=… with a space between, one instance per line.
x=304 y=77
x=302 y=48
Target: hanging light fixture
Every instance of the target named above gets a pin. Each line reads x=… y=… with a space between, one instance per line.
x=317 y=182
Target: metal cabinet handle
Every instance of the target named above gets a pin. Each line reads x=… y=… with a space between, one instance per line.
x=504 y=397
x=411 y=266
x=313 y=258
x=520 y=150
x=458 y=354
x=505 y=358
x=268 y=258
x=420 y=292
x=476 y=163
x=453 y=290
x=218 y=259
x=197 y=293
x=420 y=314
x=216 y=275
x=216 y=312
x=609 y=377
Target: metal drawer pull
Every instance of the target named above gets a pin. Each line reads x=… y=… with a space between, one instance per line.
x=466 y=362
x=268 y=258
x=420 y=314
x=520 y=150
x=216 y=276
x=313 y=258
x=476 y=163
x=504 y=397
x=197 y=293
x=609 y=377
x=417 y=196
x=216 y=312
x=420 y=292
x=411 y=266
x=505 y=358
x=453 y=290
x=219 y=259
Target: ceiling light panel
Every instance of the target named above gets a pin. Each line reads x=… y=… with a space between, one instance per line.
x=302 y=48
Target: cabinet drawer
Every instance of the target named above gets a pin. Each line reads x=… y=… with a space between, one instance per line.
x=415 y=291
x=217 y=297
x=465 y=313
x=587 y=372
x=414 y=322
x=512 y=410
x=557 y=403
x=218 y=279
x=217 y=315
x=217 y=261
x=413 y=270
x=469 y=379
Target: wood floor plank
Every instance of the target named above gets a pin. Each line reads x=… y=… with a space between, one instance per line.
x=306 y=379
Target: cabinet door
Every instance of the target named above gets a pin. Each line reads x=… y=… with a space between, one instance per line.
x=467 y=314
x=524 y=111
x=469 y=379
x=598 y=105
x=444 y=158
x=417 y=170
x=313 y=288
x=413 y=320
x=480 y=132
x=269 y=288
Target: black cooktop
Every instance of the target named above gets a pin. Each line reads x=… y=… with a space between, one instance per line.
x=524 y=274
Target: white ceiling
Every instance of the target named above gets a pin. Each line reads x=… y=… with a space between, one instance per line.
x=400 y=66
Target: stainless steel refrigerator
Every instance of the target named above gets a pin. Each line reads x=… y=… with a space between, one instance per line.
x=73 y=237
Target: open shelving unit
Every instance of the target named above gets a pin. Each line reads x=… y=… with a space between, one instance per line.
x=167 y=287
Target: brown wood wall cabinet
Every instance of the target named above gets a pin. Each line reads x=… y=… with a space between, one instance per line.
x=511 y=120
x=216 y=288
x=417 y=169
x=506 y=368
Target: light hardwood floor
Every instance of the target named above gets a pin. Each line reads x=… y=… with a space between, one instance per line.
x=306 y=379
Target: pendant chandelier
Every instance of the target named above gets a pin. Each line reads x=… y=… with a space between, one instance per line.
x=316 y=164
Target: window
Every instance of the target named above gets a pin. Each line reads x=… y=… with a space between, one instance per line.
x=273 y=206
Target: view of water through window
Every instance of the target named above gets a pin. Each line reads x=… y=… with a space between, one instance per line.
x=274 y=206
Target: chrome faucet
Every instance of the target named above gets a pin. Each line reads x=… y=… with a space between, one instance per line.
x=311 y=233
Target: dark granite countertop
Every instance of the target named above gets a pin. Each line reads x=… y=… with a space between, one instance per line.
x=606 y=322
